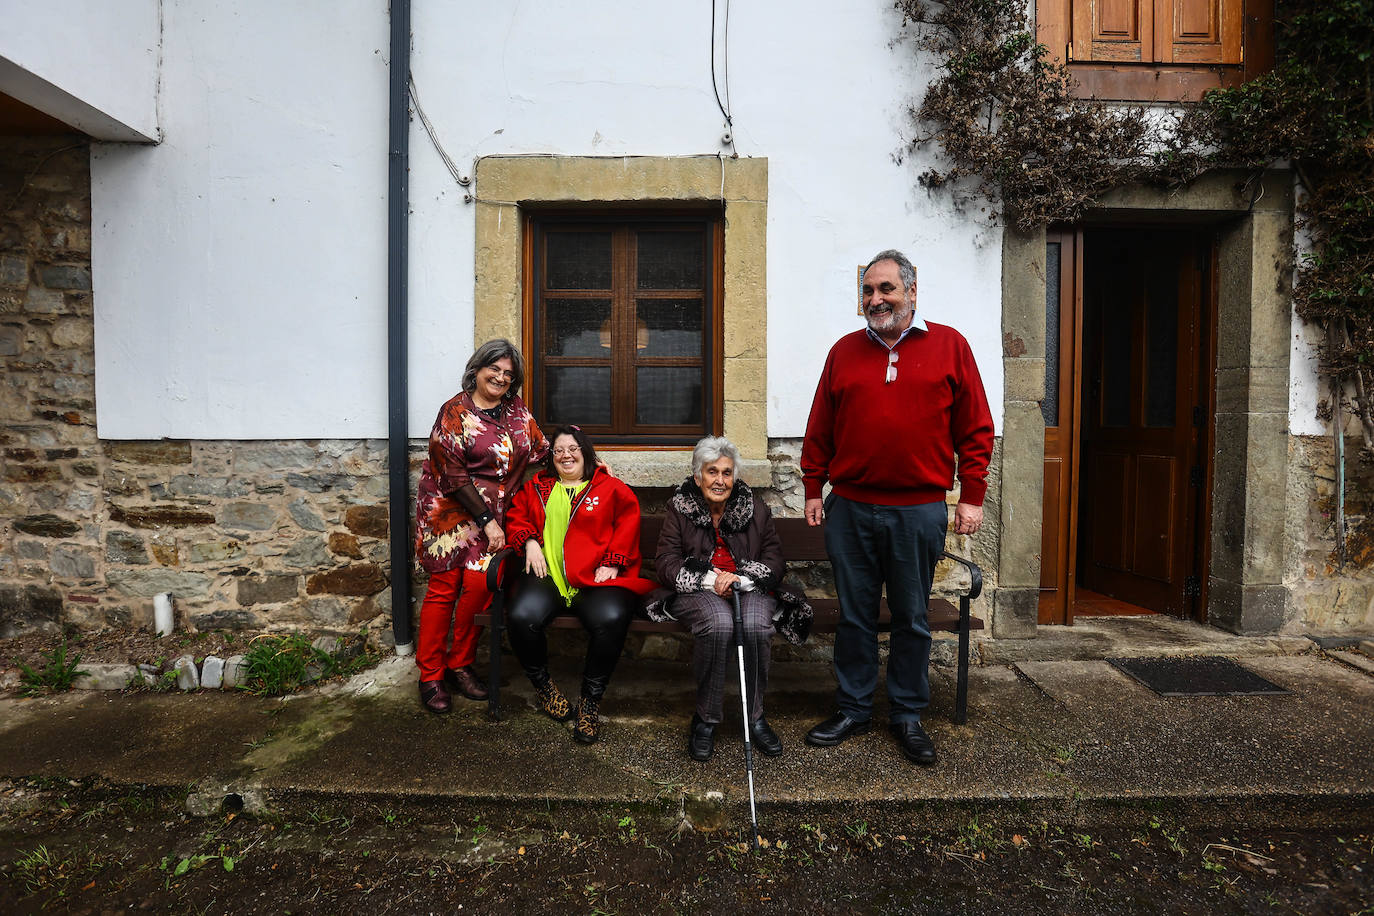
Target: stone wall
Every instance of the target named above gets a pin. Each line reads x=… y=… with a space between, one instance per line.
x=242 y=534
x=1322 y=598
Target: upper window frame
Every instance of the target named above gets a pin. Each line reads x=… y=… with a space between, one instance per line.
x=1151 y=80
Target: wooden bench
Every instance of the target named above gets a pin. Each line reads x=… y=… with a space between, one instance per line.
x=800 y=543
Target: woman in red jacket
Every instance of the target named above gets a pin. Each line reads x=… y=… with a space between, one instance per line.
x=578 y=528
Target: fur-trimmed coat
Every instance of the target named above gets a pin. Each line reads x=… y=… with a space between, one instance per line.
x=688 y=541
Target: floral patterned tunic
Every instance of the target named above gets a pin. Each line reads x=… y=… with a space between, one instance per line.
x=467 y=446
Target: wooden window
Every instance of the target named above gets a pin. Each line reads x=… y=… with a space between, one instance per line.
x=1166 y=50
x=625 y=330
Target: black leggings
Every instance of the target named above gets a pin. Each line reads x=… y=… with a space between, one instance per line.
x=604 y=610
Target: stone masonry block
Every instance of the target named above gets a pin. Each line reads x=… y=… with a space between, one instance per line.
x=1015 y=612
x=149 y=582
x=29 y=609
x=151 y=452
x=160 y=516
x=124 y=547
x=248 y=516
x=304 y=516
x=44 y=302
x=267 y=589
x=11 y=341
x=359 y=580
x=47 y=526
x=14 y=271
x=368 y=521
x=66 y=276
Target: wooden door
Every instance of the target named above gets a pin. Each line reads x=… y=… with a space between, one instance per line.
x=1144 y=412
x=1063 y=309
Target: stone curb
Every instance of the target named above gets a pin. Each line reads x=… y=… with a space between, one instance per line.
x=214 y=673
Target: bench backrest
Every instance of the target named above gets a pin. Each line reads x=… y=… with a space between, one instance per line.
x=800 y=542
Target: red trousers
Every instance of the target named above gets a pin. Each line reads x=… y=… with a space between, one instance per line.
x=453 y=598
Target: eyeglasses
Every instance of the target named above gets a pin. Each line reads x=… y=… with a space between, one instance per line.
x=569 y=452
x=891 y=367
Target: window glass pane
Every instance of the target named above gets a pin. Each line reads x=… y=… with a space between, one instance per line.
x=577 y=260
x=1161 y=348
x=670 y=260
x=1116 y=362
x=669 y=327
x=667 y=396
x=578 y=394
x=577 y=327
x=1049 y=407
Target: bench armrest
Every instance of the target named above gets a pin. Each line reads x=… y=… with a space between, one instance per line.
x=494 y=578
x=975 y=585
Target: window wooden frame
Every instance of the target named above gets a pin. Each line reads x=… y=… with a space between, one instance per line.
x=625 y=359
x=1152 y=56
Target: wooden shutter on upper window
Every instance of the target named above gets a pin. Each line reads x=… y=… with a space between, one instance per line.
x=1113 y=30
x=1198 y=31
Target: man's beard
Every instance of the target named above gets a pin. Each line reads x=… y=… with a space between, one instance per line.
x=893 y=320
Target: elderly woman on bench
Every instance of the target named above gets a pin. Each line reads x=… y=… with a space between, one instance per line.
x=718 y=534
x=578 y=529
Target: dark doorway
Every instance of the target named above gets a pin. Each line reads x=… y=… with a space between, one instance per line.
x=1127 y=408
x=1145 y=415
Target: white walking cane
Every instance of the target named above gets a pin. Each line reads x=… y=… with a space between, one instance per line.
x=744 y=704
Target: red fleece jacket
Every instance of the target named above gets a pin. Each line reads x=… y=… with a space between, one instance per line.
x=893 y=443
x=603 y=529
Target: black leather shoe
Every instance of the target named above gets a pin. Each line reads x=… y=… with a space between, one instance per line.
x=762 y=736
x=914 y=742
x=836 y=729
x=701 y=740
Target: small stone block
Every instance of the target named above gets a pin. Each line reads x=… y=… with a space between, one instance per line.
x=332 y=646
x=99 y=676
x=149 y=673
x=235 y=672
x=212 y=673
x=187 y=676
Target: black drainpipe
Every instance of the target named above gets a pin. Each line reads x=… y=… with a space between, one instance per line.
x=397 y=361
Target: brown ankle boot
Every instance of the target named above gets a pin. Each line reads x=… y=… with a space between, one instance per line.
x=588 y=727
x=552 y=702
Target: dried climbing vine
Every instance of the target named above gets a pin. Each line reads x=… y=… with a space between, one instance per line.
x=1004 y=118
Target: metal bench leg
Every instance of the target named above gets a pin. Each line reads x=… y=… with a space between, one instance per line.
x=498 y=619
x=961 y=696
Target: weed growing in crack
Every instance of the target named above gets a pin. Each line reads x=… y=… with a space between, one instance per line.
x=57 y=674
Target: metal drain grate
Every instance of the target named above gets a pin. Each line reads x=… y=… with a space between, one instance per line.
x=1196 y=676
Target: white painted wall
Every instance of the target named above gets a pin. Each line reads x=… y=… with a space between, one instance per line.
x=89 y=63
x=821 y=96
x=1304 y=389
x=240 y=266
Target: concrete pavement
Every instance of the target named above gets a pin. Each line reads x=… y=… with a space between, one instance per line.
x=1054 y=733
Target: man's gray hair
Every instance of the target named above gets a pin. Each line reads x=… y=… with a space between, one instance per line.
x=904 y=268
x=710 y=450
x=487 y=355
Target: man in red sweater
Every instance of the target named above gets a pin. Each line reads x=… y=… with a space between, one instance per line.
x=895 y=404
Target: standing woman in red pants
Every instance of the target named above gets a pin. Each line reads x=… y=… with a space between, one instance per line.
x=482 y=442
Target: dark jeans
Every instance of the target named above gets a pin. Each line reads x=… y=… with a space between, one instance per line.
x=872 y=546
x=605 y=612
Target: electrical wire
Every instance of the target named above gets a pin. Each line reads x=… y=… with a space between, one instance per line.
x=438 y=147
x=724 y=106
